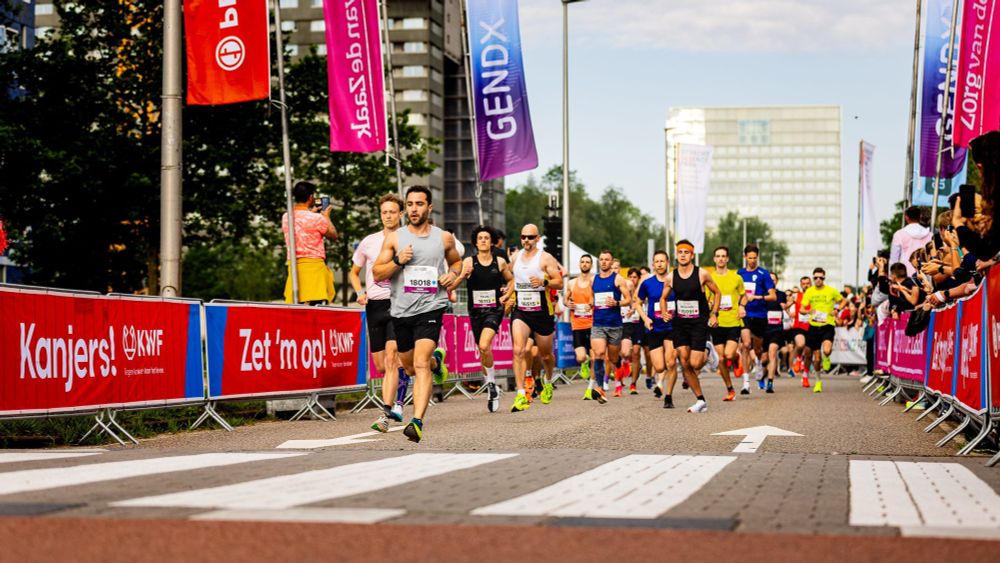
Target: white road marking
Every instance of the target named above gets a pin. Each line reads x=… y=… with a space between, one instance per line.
x=51 y=478
x=754 y=437
x=17 y=457
x=305 y=514
x=342 y=441
x=310 y=487
x=646 y=487
x=923 y=499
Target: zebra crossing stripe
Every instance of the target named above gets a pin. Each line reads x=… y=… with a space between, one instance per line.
x=923 y=498
x=299 y=489
x=18 y=457
x=644 y=486
x=39 y=479
x=305 y=514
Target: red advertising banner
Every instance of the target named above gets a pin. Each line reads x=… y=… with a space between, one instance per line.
x=228 y=51
x=270 y=350
x=468 y=349
x=883 y=344
x=977 y=94
x=993 y=334
x=970 y=389
x=908 y=354
x=354 y=72
x=62 y=352
x=941 y=374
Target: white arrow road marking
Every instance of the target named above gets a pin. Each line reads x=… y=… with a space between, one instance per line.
x=17 y=457
x=343 y=441
x=299 y=489
x=306 y=514
x=641 y=486
x=754 y=437
x=923 y=499
x=40 y=479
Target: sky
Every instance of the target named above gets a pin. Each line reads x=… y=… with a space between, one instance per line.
x=631 y=60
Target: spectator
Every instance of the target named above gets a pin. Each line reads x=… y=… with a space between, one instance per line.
x=903 y=292
x=311 y=227
x=912 y=236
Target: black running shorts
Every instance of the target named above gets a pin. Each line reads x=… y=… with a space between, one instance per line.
x=757 y=327
x=380 y=329
x=692 y=333
x=425 y=326
x=723 y=334
x=481 y=319
x=817 y=335
x=581 y=338
x=540 y=323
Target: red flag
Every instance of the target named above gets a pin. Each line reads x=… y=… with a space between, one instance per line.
x=228 y=51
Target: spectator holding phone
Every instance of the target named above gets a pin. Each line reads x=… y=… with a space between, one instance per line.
x=312 y=225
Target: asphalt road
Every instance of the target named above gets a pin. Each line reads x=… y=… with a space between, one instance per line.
x=569 y=479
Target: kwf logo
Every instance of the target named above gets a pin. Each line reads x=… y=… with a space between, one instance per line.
x=141 y=342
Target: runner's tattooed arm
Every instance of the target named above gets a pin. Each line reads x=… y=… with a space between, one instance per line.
x=385 y=267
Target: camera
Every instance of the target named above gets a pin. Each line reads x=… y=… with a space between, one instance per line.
x=324 y=202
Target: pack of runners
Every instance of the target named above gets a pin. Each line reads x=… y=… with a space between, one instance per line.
x=681 y=319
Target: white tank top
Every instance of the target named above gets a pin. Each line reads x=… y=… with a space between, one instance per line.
x=528 y=298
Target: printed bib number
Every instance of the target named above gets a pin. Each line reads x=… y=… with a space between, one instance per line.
x=484 y=299
x=657 y=314
x=726 y=303
x=803 y=317
x=819 y=316
x=387 y=284
x=687 y=309
x=774 y=317
x=420 y=279
x=630 y=315
x=529 y=300
x=601 y=299
x=582 y=310
x=751 y=291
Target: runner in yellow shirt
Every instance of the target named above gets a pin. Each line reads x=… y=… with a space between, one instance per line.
x=822 y=302
x=726 y=336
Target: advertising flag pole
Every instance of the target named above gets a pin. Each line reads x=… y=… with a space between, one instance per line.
x=910 y=149
x=861 y=181
x=473 y=132
x=387 y=48
x=955 y=5
x=171 y=155
x=286 y=154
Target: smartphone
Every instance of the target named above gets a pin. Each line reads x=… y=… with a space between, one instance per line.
x=324 y=202
x=967 y=192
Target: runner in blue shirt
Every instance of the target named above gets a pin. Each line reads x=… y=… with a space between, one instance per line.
x=759 y=289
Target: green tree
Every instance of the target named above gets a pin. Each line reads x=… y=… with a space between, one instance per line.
x=729 y=233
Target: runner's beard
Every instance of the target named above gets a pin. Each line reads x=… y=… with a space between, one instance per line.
x=419 y=219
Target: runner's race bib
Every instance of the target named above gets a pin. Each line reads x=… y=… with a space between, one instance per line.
x=657 y=314
x=751 y=291
x=803 y=317
x=420 y=279
x=601 y=299
x=484 y=299
x=529 y=300
x=726 y=304
x=630 y=315
x=687 y=309
x=774 y=317
x=582 y=310
x=819 y=316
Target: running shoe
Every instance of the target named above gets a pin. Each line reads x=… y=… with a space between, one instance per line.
x=649 y=382
x=601 y=396
x=414 y=431
x=529 y=387
x=699 y=406
x=760 y=384
x=631 y=390
x=819 y=387
x=805 y=381
x=618 y=390
x=745 y=390
x=826 y=363
x=605 y=386
x=441 y=373
x=585 y=370
x=492 y=397
x=382 y=424
x=684 y=384
x=713 y=358
x=520 y=404
x=546 y=394
x=397 y=412
x=588 y=394
x=668 y=402
x=730 y=396
x=770 y=386
x=657 y=392
x=738 y=369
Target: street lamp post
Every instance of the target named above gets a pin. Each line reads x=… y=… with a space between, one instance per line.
x=565 y=163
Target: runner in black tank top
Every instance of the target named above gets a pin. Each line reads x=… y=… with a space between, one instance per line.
x=488 y=288
x=692 y=318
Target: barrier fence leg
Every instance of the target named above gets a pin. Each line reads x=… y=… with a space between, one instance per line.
x=882 y=381
x=930 y=409
x=106 y=427
x=920 y=397
x=987 y=426
x=314 y=408
x=942 y=418
x=113 y=422
x=891 y=397
x=958 y=430
x=211 y=413
x=371 y=397
x=993 y=460
x=872 y=383
x=562 y=377
x=460 y=388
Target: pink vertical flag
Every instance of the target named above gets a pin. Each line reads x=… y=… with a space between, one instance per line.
x=977 y=96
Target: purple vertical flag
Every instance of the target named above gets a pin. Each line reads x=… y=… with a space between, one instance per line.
x=504 y=136
x=932 y=112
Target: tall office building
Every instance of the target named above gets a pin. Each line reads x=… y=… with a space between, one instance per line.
x=429 y=75
x=781 y=164
x=17 y=25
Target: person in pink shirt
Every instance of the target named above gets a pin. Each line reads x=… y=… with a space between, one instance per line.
x=311 y=227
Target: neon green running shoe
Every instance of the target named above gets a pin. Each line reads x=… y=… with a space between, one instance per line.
x=413 y=431
x=441 y=373
x=826 y=363
x=818 y=388
x=585 y=370
x=586 y=395
x=546 y=395
x=520 y=404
